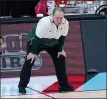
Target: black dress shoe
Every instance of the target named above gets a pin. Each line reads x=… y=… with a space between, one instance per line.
x=67 y=88
x=22 y=90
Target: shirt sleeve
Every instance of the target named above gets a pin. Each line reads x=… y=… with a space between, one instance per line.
x=63 y=36
x=61 y=43
x=41 y=29
x=35 y=45
x=66 y=28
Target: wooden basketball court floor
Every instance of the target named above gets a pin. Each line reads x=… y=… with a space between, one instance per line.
x=85 y=94
x=93 y=88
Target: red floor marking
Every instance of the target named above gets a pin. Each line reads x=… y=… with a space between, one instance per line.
x=41 y=92
x=75 y=80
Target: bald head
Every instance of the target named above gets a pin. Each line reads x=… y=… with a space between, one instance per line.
x=57 y=9
x=58 y=15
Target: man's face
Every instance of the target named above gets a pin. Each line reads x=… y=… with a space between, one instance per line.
x=58 y=17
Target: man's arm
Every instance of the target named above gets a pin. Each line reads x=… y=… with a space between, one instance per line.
x=35 y=45
x=61 y=43
x=40 y=31
x=62 y=38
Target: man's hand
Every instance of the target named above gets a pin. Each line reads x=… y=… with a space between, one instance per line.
x=61 y=53
x=31 y=56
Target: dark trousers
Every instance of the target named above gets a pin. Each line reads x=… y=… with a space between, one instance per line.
x=59 y=63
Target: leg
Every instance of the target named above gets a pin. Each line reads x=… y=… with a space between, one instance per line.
x=60 y=67
x=60 y=64
x=25 y=72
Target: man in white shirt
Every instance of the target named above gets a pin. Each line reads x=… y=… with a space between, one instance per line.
x=48 y=35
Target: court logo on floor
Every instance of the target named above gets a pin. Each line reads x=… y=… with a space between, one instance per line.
x=14 y=53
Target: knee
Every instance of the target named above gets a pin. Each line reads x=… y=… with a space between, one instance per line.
x=61 y=57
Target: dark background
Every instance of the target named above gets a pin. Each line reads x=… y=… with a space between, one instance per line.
x=17 y=7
